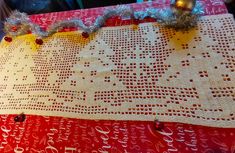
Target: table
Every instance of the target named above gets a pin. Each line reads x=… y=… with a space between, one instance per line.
x=57 y=134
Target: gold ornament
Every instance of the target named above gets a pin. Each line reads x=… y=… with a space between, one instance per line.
x=186 y=5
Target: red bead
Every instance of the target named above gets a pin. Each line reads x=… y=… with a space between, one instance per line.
x=39 y=41
x=66 y=29
x=14 y=28
x=8 y=39
x=85 y=35
x=136 y=21
x=158 y=125
x=29 y=32
x=20 y=118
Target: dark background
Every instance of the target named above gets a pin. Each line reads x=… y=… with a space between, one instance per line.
x=231 y=7
x=45 y=6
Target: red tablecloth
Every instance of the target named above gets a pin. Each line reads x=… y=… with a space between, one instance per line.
x=89 y=15
x=41 y=134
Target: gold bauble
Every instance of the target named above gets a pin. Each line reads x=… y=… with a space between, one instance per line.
x=186 y=5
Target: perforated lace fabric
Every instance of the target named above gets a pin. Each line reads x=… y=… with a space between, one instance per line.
x=125 y=73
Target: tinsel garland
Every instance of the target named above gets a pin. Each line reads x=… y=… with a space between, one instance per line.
x=19 y=23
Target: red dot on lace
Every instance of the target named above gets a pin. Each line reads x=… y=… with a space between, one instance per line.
x=8 y=39
x=85 y=35
x=39 y=41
